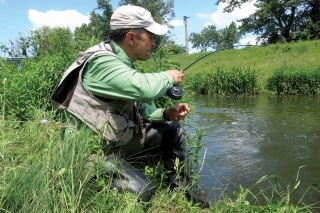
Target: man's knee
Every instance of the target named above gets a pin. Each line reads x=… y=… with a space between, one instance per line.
x=127 y=177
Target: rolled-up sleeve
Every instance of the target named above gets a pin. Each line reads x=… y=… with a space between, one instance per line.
x=151 y=113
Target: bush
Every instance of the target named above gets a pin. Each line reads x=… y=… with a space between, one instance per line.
x=221 y=81
x=32 y=85
x=292 y=82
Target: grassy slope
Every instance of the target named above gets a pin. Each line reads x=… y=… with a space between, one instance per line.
x=265 y=60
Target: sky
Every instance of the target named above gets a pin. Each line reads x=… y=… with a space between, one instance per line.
x=23 y=16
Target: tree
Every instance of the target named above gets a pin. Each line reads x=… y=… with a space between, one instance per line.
x=211 y=38
x=48 y=41
x=207 y=38
x=20 y=47
x=280 y=20
x=229 y=36
x=85 y=37
x=99 y=25
x=161 y=11
x=41 y=42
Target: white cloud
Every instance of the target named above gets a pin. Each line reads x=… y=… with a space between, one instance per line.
x=207 y=24
x=176 y=23
x=55 y=18
x=203 y=15
x=222 y=20
x=249 y=39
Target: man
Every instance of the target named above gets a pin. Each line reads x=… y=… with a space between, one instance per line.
x=109 y=96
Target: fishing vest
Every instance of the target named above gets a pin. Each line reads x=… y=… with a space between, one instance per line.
x=115 y=120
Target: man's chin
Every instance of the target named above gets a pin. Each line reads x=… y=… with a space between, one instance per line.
x=147 y=57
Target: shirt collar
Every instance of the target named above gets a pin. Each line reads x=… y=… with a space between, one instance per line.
x=122 y=55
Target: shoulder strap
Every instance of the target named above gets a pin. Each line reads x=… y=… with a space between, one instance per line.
x=62 y=95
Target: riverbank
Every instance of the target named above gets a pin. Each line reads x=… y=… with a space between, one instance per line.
x=264 y=60
x=42 y=173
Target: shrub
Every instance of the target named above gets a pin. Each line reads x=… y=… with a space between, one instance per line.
x=32 y=85
x=221 y=81
x=291 y=82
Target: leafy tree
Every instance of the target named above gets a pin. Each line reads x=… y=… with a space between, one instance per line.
x=229 y=36
x=280 y=20
x=20 y=47
x=211 y=38
x=207 y=38
x=162 y=11
x=84 y=37
x=99 y=25
x=47 y=41
x=41 y=42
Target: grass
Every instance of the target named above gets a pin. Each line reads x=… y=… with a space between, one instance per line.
x=42 y=173
x=265 y=60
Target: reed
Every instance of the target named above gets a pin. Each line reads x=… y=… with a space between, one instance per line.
x=291 y=81
x=225 y=82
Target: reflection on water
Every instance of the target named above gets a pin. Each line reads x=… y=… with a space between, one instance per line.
x=251 y=136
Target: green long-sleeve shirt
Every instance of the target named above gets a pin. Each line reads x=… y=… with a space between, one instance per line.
x=114 y=77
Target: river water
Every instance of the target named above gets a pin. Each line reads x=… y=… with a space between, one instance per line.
x=247 y=137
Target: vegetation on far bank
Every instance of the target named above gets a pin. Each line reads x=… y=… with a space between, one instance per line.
x=278 y=68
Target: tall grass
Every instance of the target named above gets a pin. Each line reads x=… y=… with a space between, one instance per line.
x=289 y=81
x=42 y=173
x=276 y=196
x=225 y=82
x=32 y=85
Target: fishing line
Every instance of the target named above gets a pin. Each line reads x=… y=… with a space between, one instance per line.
x=302 y=59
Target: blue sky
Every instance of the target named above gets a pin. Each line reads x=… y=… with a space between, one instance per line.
x=22 y=16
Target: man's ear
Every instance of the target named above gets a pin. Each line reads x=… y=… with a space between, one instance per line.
x=130 y=37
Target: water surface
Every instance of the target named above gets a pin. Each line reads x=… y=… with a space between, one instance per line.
x=248 y=137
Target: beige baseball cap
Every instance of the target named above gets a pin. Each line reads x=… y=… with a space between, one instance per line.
x=130 y=17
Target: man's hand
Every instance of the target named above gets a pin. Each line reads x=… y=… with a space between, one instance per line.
x=176 y=75
x=177 y=112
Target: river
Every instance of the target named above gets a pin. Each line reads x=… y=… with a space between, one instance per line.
x=247 y=137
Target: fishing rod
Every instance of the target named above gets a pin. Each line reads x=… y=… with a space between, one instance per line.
x=176 y=92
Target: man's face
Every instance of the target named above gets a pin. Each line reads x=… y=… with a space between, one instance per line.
x=143 y=45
